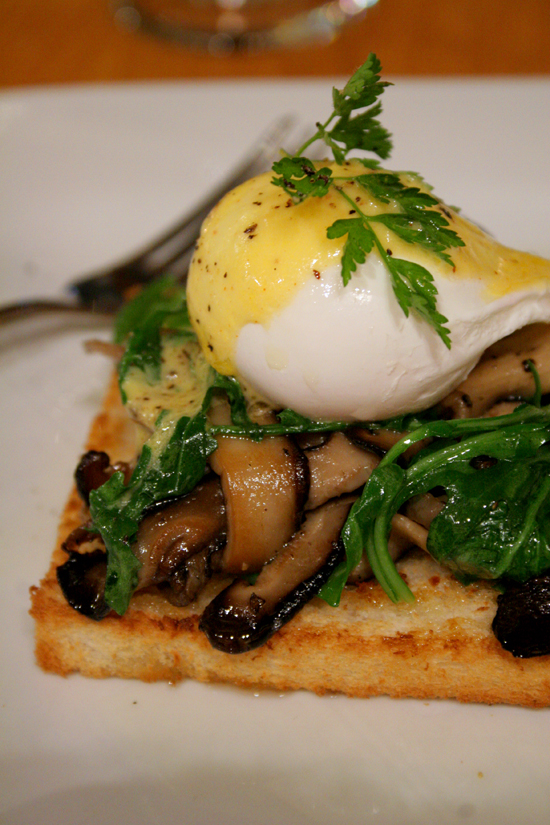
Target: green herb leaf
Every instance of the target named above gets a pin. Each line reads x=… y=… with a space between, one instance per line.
x=495 y=523
x=117 y=509
x=416 y=216
x=161 y=306
x=299 y=177
x=414 y=289
x=360 y=241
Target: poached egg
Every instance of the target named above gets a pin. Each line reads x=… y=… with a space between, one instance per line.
x=269 y=306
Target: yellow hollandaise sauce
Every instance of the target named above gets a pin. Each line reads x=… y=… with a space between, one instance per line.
x=257 y=249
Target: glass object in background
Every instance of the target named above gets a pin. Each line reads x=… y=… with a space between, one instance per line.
x=219 y=26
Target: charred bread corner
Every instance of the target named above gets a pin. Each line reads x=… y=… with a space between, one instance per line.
x=301 y=477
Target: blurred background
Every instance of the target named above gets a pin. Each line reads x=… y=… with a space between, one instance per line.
x=74 y=41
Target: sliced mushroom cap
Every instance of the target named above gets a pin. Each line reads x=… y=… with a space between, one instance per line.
x=265 y=486
x=423 y=509
x=244 y=616
x=182 y=528
x=337 y=467
x=502 y=373
x=83 y=540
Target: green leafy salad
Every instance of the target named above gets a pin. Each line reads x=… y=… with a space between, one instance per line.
x=493 y=473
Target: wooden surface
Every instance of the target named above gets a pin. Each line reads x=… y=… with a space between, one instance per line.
x=67 y=41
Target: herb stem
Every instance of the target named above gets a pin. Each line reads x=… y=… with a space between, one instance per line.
x=321 y=129
x=379 y=558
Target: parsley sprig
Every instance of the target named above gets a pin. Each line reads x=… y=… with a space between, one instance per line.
x=416 y=216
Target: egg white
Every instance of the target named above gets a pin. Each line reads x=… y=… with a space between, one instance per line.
x=349 y=352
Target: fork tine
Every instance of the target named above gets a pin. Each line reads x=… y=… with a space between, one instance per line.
x=104 y=291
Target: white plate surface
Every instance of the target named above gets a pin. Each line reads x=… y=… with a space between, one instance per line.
x=86 y=174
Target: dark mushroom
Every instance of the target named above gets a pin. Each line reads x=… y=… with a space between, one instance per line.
x=82 y=580
x=522 y=621
x=166 y=542
x=168 y=537
x=244 y=616
x=91 y=473
x=93 y=470
x=83 y=540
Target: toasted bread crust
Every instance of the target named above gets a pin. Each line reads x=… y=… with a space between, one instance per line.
x=442 y=646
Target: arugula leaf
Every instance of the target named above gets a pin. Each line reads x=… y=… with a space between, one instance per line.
x=160 y=306
x=117 y=509
x=358 y=534
x=511 y=539
x=503 y=506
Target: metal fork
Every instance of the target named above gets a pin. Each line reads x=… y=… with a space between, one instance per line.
x=103 y=292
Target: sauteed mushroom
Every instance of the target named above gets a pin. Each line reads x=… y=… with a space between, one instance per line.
x=244 y=616
x=93 y=470
x=337 y=467
x=503 y=374
x=167 y=542
x=522 y=621
x=265 y=485
x=82 y=580
x=168 y=537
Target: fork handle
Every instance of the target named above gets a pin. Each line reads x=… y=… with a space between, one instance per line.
x=172 y=251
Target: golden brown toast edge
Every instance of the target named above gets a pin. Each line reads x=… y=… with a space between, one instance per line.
x=441 y=646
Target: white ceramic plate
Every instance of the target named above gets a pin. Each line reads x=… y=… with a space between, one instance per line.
x=86 y=174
